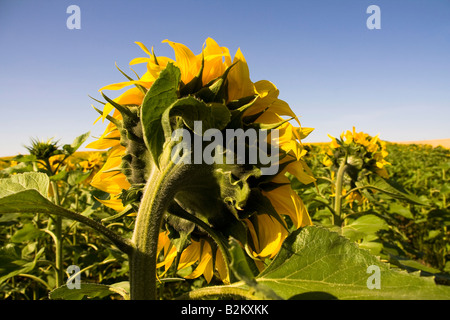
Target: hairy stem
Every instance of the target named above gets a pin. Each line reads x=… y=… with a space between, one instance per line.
x=219 y=291
x=58 y=239
x=159 y=191
x=338 y=187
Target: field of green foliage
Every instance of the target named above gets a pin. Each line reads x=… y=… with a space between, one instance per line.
x=409 y=235
x=403 y=219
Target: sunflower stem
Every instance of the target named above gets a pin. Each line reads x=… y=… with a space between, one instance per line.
x=226 y=291
x=176 y=210
x=159 y=191
x=338 y=198
x=58 y=240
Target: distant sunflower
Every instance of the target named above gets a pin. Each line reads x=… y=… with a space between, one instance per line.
x=371 y=150
x=363 y=154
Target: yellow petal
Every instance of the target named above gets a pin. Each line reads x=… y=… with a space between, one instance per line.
x=239 y=83
x=304 y=132
x=205 y=265
x=112 y=181
x=109 y=141
x=133 y=96
x=186 y=61
x=190 y=255
x=143 y=47
x=140 y=60
x=168 y=260
x=121 y=85
x=300 y=170
x=267 y=235
x=212 y=49
x=221 y=268
x=113 y=203
x=268 y=98
x=214 y=64
x=286 y=201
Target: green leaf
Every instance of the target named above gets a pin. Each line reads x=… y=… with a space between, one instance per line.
x=28 y=201
x=21 y=167
x=364 y=225
x=397 y=208
x=212 y=115
x=26 y=158
x=76 y=144
x=89 y=290
x=11 y=264
x=373 y=246
x=20 y=182
x=389 y=188
x=31 y=201
x=234 y=187
x=161 y=95
x=239 y=263
x=317 y=263
x=26 y=233
x=76 y=177
x=62 y=174
x=414 y=265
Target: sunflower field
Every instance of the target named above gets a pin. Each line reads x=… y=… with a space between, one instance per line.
x=203 y=187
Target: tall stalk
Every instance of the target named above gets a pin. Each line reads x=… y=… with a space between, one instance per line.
x=59 y=275
x=58 y=240
x=338 y=193
x=159 y=191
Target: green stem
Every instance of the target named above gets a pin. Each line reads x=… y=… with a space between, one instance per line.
x=58 y=240
x=159 y=191
x=45 y=284
x=122 y=244
x=219 y=291
x=357 y=189
x=338 y=192
x=178 y=211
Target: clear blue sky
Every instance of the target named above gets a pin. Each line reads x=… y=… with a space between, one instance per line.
x=333 y=71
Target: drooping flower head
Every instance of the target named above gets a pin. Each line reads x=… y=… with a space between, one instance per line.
x=363 y=154
x=360 y=148
x=237 y=200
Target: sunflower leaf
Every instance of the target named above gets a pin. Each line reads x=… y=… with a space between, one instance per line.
x=90 y=290
x=190 y=109
x=26 y=197
x=20 y=182
x=315 y=263
x=162 y=94
x=387 y=187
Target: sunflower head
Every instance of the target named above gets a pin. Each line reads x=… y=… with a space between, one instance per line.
x=179 y=107
x=43 y=150
x=363 y=153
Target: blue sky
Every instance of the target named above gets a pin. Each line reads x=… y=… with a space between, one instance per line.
x=333 y=71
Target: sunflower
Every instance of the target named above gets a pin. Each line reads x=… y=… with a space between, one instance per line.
x=352 y=144
x=269 y=209
x=363 y=154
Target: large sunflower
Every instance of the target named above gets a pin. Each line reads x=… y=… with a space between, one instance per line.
x=270 y=207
